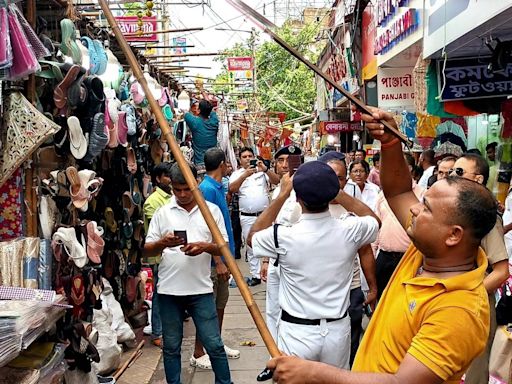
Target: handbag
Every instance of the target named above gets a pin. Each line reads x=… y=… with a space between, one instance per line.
x=504 y=305
x=500 y=361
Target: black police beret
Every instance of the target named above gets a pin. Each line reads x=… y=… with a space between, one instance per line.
x=316 y=183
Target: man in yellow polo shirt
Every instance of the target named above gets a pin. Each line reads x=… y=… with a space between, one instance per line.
x=433 y=318
x=160 y=177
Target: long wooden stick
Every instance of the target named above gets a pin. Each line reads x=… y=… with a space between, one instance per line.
x=192 y=183
x=130 y=360
x=189 y=54
x=264 y=23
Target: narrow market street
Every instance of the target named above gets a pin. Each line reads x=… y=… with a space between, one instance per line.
x=238 y=328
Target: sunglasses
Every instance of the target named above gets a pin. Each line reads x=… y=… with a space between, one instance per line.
x=460 y=172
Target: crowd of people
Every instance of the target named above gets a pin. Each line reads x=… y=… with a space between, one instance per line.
x=420 y=248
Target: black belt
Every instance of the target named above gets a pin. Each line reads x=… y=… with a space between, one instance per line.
x=251 y=214
x=396 y=255
x=285 y=316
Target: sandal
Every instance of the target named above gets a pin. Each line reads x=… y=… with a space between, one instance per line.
x=95 y=243
x=79 y=196
x=130 y=160
x=110 y=219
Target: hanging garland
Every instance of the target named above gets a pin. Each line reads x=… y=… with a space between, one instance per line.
x=140 y=15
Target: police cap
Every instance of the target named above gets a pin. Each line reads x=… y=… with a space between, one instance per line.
x=316 y=183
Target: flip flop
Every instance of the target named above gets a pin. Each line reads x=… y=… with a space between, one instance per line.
x=128 y=203
x=94 y=58
x=122 y=129
x=77 y=141
x=95 y=243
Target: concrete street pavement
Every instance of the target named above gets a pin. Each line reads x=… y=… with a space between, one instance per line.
x=238 y=327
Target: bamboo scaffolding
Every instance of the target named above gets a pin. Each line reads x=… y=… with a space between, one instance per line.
x=192 y=183
x=189 y=54
x=266 y=24
x=164 y=31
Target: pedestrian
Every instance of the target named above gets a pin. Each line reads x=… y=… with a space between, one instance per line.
x=204 y=130
x=360 y=154
x=475 y=168
x=350 y=156
x=213 y=191
x=363 y=288
x=420 y=332
x=161 y=178
x=374 y=176
x=179 y=231
x=444 y=166
x=252 y=183
x=316 y=257
x=358 y=172
x=427 y=163
x=288 y=215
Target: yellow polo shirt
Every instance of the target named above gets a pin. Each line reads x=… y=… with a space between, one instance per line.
x=443 y=323
x=154 y=201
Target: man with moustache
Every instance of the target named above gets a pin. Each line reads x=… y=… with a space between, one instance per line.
x=433 y=319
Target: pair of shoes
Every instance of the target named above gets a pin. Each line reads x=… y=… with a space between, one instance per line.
x=232 y=353
x=202 y=362
x=253 y=282
x=265 y=375
x=159 y=342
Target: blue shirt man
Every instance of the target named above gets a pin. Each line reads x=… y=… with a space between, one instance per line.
x=214 y=193
x=204 y=130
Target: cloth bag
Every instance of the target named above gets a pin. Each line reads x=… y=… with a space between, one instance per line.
x=500 y=362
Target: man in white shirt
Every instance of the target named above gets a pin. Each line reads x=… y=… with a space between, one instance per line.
x=251 y=181
x=178 y=231
x=316 y=259
x=428 y=164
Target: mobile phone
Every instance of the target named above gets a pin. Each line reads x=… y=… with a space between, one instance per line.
x=254 y=163
x=182 y=235
x=293 y=163
x=368 y=311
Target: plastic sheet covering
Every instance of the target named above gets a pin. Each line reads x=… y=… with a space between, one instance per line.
x=30 y=262
x=5 y=42
x=44 y=275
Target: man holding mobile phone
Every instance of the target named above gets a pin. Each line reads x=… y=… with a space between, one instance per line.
x=184 y=281
x=252 y=182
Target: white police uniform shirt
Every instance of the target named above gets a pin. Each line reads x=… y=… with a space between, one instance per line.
x=316 y=257
x=253 y=194
x=290 y=211
x=179 y=274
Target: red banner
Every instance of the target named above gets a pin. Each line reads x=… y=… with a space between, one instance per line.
x=240 y=63
x=368 y=36
x=129 y=25
x=339 y=126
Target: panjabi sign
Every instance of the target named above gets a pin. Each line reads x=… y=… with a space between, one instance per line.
x=129 y=25
x=395 y=88
x=470 y=78
x=240 y=64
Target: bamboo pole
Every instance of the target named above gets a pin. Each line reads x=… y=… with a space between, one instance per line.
x=192 y=183
x=188 y=54
x=30 y=193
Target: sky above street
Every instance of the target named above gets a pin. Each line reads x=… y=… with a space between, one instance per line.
x=215 y=14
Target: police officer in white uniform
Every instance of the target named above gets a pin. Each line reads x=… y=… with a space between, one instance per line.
x=316 y=259
x=288 y=215
x=252 y=183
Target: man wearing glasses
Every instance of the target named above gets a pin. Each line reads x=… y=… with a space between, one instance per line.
x=474 y=167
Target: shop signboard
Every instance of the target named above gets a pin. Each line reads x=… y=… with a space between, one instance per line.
x=470 y=78
x=368 y=35
x=179 y=45
x=395 y=88
x=340 y=126
x=240 y=64
x=129 y=25
x=449 y=20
